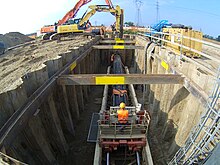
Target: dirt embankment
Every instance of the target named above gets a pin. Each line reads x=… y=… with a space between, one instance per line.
x=14 y=38
x=22 y=60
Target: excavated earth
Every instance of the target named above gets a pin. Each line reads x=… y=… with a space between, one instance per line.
x=17 y=62
x=30 y=57
x=14 y=38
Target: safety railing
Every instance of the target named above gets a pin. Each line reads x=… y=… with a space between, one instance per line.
x=7 y=160
x=204 y=137
x=161 y=37
x=136 y=124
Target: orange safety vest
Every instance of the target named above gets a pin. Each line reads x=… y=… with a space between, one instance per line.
x=122 y=116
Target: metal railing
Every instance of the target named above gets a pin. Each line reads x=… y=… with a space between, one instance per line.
x=136 y=124
x=213 y=45
x=205 y=136
x=7 y=160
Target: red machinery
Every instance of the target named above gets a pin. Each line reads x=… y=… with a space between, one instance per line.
x=71 y=14
x=128 y=139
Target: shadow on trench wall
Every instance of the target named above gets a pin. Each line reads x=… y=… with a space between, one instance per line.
x=161 y=135
x=181 y=94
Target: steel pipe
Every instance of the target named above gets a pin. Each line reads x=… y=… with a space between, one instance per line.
x=107 y=160
x=138 y=158
x=132 y=92
x=105 y=94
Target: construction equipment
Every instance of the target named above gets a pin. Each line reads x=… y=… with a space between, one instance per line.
x=183 y=37
x=2 y=48
x=158 y=27
x=120 y=138
x=83 y=24
x=49 y=30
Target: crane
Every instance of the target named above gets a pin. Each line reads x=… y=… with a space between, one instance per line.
x=49 y=30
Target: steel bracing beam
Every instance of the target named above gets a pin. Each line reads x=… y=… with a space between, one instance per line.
x=110 y=79
x=117 y=42
x=117 y=47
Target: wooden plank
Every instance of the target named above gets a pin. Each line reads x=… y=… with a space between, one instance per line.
x=117 y=47
x=110 y=79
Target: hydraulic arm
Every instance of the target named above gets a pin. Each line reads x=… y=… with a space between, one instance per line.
x=72 y=13
x=117 y=12
x=69 y=15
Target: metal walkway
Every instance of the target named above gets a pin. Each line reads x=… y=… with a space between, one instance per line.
x=205 y=136
x=93 y=130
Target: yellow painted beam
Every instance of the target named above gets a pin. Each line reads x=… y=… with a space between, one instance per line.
x=113 y=79
x=102 y=80
x=73 y=65
x=164 y=65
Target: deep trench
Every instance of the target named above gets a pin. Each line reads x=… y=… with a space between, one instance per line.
x=164 y=102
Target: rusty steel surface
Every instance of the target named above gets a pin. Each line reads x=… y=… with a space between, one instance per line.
x=110 y=79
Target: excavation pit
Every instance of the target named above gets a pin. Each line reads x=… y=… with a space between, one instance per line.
x=54 y=128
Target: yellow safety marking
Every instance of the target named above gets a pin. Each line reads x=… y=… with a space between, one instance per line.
x=120 y=41
x=73 y=65
x=165 y=65
x=118 y=46
x=104 y=80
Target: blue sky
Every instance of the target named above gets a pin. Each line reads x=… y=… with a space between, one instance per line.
x=28 y=16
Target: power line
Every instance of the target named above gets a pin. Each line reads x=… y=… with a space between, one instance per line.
x=184 y=8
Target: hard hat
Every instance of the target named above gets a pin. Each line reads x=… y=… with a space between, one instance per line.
x=122 y=105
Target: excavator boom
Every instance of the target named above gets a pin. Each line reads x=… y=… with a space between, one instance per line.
x=72 y=13
x=117 y=12
x=109 y=3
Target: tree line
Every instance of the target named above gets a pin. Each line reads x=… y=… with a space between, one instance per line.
x=211 y=37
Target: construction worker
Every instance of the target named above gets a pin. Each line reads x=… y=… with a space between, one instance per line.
x=122 y=114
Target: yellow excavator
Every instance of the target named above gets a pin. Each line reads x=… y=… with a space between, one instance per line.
x=82 y=25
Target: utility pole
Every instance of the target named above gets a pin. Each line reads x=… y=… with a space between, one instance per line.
x=138 y=3
x=157 y=8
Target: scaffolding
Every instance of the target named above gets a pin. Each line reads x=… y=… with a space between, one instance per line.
x=205 y=136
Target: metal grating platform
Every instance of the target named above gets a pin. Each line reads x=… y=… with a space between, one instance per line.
x=93 y=130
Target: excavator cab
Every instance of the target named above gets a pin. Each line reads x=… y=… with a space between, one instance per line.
x=73 y=21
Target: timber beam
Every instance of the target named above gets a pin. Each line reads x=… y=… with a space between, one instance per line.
x=110 y=79
x=117 y=47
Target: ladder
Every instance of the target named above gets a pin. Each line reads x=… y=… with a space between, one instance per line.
x=205 y=136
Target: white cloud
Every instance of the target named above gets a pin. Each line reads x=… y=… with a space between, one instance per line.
x=27 y=16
